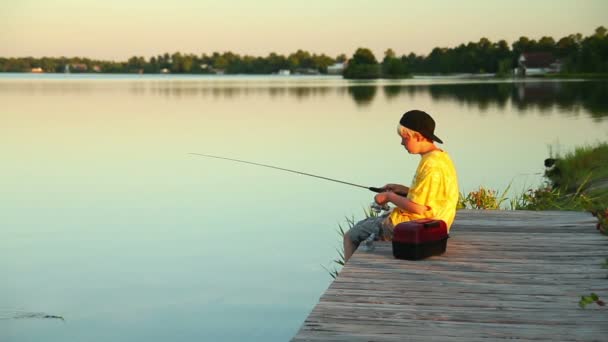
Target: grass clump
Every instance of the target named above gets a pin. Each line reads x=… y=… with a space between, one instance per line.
x=590 y=299
x=576 y=181
x=582 y=171
x=483 y=198
x=602 y=222
x=549 y=198
x=340 y=260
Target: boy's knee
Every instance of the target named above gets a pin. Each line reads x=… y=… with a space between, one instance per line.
x=347 y=238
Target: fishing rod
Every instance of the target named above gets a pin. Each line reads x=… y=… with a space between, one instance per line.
x=371 y=188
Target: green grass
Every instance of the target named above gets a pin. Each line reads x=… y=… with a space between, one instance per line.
x=583 y=170
x=546 y=198
x=579 y=182
x=340 y=260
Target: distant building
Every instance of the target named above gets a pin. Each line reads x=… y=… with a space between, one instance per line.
x=284 y=72
x=537 y=63
x=336 y=69
x=307 y=71
x=96 y=68
x=37 y=70
x=164 y=71
x=79 y=67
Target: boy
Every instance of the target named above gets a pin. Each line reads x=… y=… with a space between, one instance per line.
x=433 y=193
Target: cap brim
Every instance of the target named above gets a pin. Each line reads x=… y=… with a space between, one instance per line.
x=432 y=137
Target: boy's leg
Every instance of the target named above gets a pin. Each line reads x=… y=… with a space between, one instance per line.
x=361 y=231
x=349 y=247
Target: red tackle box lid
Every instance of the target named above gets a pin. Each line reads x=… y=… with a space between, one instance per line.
x=420 y=231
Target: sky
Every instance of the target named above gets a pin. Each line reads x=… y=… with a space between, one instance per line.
x=119 y=29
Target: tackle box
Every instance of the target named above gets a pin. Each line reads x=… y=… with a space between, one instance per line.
x=415 y=240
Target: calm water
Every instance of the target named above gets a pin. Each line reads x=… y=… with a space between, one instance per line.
x=107 y=221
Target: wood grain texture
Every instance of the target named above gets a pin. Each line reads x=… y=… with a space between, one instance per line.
x=505 y=275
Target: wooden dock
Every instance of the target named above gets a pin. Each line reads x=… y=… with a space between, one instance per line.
x=505 y=275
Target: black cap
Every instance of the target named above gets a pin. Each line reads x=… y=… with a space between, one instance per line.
x=421 y=122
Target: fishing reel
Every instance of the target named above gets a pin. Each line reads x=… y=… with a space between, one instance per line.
x=377 y=208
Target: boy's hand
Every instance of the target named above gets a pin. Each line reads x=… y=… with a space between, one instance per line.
x=382 y=198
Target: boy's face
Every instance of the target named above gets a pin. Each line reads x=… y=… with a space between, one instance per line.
x=411 y=143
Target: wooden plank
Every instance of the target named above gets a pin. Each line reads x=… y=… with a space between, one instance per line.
x=505 y=275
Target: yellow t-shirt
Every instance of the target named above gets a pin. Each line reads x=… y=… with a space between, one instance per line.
x=435 y=185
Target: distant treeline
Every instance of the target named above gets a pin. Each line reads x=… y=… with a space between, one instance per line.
x=578 y=55
x=178 y=63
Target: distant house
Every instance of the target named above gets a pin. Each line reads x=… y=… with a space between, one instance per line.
x=79 y=67
x=96 y=68
x=164 y=71
x=284 y=72
x=336 y=69
x=37 y=70
x=306 y=71
x=537 y=63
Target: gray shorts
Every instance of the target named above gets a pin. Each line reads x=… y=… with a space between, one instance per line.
x=380 y=225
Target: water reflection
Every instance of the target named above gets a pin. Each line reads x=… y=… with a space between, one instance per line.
x=495 y=94
x=362 y=95
x=392 y=91
x=544 y=96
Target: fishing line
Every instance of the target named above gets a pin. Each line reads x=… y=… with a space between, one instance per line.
x=371 y=188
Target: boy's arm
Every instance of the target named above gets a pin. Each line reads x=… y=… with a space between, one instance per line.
x=401 y=202
x=396 y=188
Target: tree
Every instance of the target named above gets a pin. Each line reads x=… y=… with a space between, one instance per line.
x=505 y=67
x=176 y=62
x=152 y=66
x=220 y=63
x=48 y=64
x=136 y=64
x=413 y=63
x=392 y=67
x=523 y=44
x=362 y=65
x=546 y=44
x=567 y=46
x=364 y=56
x=186 y=64
x=321 y=62
x=593 y=55
x=389 y=53
x=276 y=62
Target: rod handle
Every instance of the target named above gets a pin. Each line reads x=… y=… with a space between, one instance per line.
x=379 y=190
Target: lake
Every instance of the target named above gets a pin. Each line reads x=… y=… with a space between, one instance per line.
x=109 y=222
